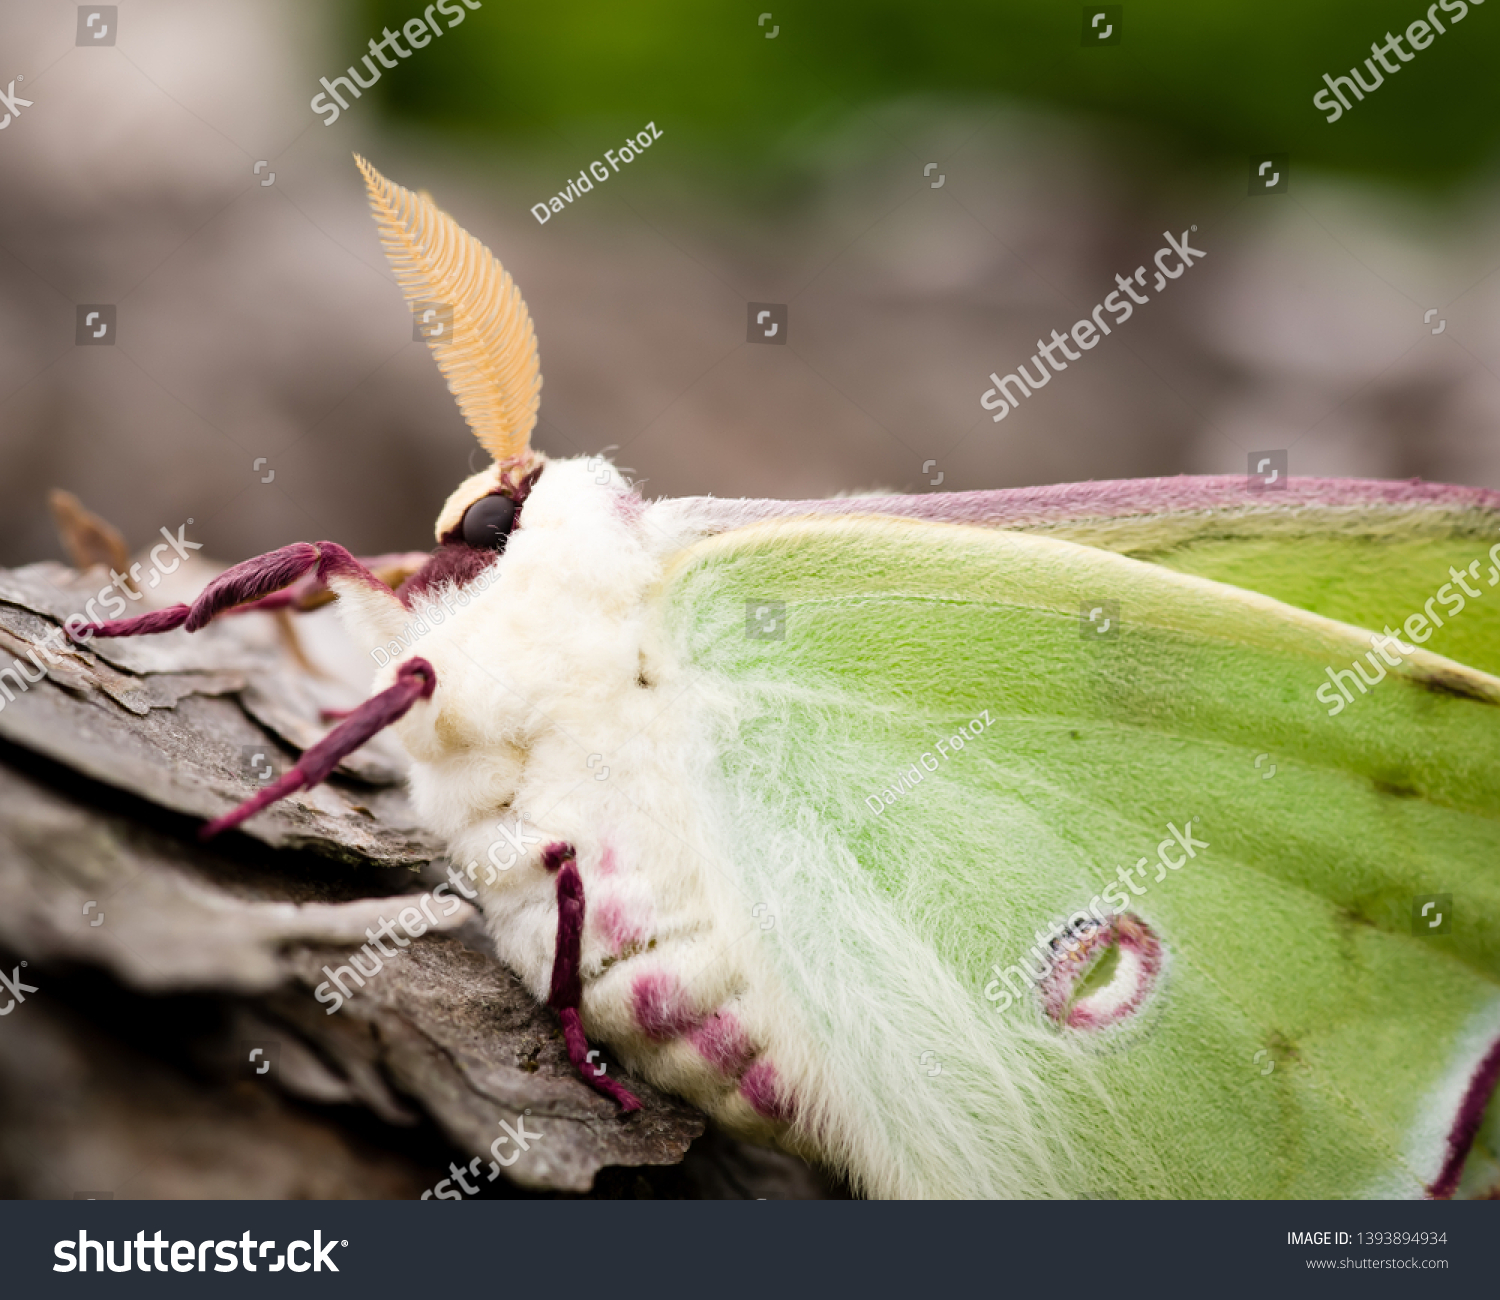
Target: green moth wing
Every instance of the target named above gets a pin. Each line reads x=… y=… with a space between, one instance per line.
x=1419 y=565
x=931 y=759
x=1374 y=553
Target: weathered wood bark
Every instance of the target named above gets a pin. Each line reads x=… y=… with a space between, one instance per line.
x=161 y=964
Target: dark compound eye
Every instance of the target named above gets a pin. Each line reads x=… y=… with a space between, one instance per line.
x=487 y=523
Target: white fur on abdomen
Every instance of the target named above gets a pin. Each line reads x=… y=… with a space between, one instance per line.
x=539 y=673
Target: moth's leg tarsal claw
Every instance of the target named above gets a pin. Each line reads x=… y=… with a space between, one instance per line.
x=415 y=680
x=567 y=977
x=248 y=581
x=294 y=576
x=578 y=1053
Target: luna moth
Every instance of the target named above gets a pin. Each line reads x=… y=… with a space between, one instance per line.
x=985 y=844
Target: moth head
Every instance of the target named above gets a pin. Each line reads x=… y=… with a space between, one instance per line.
x=486 y=349
x=485 y=508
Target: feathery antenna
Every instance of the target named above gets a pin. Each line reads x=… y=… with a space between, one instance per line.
x=490 y=359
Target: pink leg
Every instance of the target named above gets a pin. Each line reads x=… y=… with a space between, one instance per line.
x=259 y=580
x=415 y=680
x=567 y=979
x=311 y=592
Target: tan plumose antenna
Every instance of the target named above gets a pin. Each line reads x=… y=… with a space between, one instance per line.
x=490 y=359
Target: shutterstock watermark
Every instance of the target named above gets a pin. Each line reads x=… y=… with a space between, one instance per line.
x=1063 y=950
x=193 y=1256
x=1336 y=692
x=1419 y=35
x=333 y=990
x=418 y=32
x=1007 y=393
x=632 y=149
x=509 y=848
x=12 y=103
x=446 y=1191
x=15 y=989
x=121 y=587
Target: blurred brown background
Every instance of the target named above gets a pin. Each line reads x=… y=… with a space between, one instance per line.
x=261 y=321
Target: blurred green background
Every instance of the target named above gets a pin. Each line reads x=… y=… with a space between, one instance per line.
x=1210 y=77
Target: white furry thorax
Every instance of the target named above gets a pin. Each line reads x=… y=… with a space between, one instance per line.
x=560 y=714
